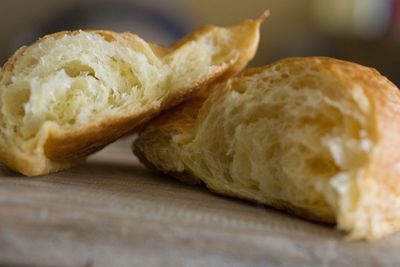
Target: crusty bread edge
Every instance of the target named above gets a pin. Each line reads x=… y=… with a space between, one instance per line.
x=65 y=149
x=385 y=99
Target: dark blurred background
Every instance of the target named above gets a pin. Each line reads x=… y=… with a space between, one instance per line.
x=364 y=31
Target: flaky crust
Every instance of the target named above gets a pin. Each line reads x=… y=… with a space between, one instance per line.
x=379 y=187
x=65 y=148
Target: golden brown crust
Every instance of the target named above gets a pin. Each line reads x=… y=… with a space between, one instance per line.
x=63 y=149
x=382 y=169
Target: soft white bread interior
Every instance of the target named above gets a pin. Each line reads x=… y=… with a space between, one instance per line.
x=71 y=93
x=316 y=136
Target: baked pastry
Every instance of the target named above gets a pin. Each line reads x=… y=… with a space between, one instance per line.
x=315 y=136
x=71 y=93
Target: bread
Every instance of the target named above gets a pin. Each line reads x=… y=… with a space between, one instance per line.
x=315 y=136
x=71 y=93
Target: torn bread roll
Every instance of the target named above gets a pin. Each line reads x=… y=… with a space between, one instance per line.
x=318 y=137
x=71 y=93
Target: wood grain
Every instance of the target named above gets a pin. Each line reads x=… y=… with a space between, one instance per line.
x=114 y=212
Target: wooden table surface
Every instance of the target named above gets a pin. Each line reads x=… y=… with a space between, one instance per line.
x=113 y=212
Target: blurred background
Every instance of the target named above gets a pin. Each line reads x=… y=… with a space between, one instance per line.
x=363 y=31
